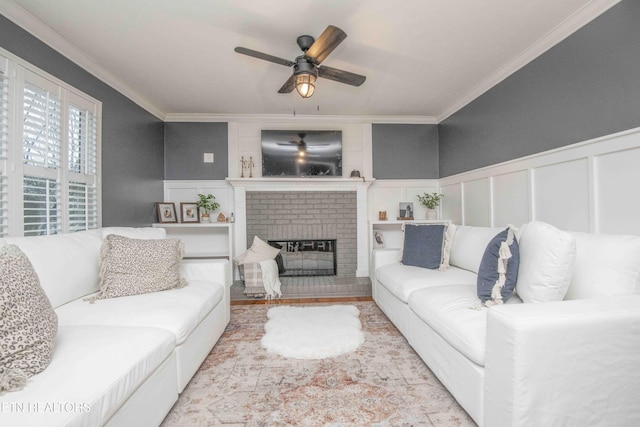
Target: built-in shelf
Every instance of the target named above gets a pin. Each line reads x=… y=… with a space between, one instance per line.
x=391 y=231
x=202 y=240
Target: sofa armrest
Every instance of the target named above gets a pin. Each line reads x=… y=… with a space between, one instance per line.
x=214 y=270
x=386 y=256
x=569 y=363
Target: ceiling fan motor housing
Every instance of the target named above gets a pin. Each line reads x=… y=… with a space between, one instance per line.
x=304 y=66
x=305 y=42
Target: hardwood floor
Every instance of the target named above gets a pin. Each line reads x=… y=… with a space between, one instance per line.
x=310 y=300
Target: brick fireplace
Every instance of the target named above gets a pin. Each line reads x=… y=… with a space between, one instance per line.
x=313 y=215
x=305 y=208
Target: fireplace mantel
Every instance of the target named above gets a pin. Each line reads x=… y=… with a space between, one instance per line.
x=359 y=185
x=300 y=184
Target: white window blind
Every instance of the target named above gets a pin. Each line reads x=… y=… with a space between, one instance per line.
x=41 y=196
x=83 y=213
x=82 y=141
x=4 y=143
x=42 y=131
x=42 y=144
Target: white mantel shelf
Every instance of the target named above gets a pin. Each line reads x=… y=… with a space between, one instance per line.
x=300 y=184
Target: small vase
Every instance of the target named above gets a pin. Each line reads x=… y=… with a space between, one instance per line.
x=206 y=218
x=432 y=214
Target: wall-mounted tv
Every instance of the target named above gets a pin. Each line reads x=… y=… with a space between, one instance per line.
x=293 y=153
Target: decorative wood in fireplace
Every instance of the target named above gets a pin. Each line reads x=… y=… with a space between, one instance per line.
x=307 y=257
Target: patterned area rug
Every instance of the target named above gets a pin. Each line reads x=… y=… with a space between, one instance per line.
x=382 y=383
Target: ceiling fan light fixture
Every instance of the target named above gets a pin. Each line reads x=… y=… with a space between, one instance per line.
x=305 y=84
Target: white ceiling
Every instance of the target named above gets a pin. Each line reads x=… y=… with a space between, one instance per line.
x=422 y=58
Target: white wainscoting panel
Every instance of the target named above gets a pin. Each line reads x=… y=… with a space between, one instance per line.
x=561 y=195
x=511 y=199
x=452 y=203
x=588 y=186
x=617 y=191
x=477 y=202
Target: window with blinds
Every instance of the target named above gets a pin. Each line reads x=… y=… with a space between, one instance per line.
x=49 y=153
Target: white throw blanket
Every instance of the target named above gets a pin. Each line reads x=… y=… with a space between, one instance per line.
x=270 y=279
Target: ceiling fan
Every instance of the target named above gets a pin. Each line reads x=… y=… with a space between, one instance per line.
x=306 y=67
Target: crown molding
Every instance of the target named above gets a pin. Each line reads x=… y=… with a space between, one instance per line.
x=44 y=33
x=569 y=26
x=272 y=118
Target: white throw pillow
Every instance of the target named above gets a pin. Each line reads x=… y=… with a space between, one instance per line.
x=606 y=265
x=259 y=251
x=469 y=244
x=547 y=257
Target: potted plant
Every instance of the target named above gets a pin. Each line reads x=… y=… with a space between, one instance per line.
x=207 y=203
x=431 y=202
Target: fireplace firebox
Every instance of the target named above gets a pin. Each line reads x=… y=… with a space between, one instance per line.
x=307 y=257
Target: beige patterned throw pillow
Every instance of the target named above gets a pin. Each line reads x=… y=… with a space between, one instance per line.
x=137 y=266
x=28 y=324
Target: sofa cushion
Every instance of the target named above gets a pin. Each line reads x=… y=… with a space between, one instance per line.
x=547 y=258
x=423 y=245
x=401 y=280
x=498 y=270
x=94 y=370
x=447 y=310
x=51 y=257
x=28 y=324
x=469 y=244
x=139 y=266
x=179 y=311
x=606 y=265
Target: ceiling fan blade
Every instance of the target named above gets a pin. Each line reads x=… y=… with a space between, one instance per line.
x=289 y=85
x=341 y=76
x=264 y=56
x=330 y=38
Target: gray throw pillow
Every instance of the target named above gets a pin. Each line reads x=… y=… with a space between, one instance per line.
x=498 y=270
x=139 y=266
x=423 y=245
x=28 y=324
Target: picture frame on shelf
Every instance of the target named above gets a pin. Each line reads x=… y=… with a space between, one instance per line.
x=166 y=212
x=378 y=239
x=405 y=211
x=189 y=212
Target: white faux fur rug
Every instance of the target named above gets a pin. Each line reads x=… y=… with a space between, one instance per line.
x=312 y=332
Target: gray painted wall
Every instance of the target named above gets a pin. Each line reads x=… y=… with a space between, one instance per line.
x=585 y=87
x=405 y=151
x=132 y=138
x=184 y=148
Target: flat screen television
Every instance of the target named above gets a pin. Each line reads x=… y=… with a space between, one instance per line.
x=291 y=153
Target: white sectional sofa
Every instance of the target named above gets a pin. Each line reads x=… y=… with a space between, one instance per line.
x=119 y=361
x=574 y=361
